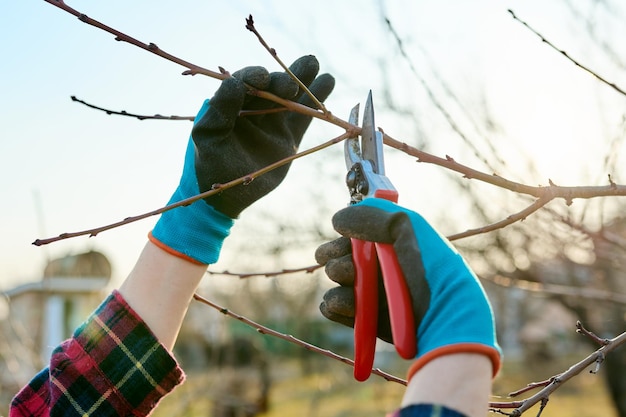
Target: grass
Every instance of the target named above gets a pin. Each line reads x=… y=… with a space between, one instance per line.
x=327 y=389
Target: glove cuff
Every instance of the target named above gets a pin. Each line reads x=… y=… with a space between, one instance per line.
x=194 y=232
x=492 y=352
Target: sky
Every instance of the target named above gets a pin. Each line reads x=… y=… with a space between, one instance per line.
x=64 y=167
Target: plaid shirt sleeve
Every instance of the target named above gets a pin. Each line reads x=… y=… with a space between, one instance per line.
x=112 y=366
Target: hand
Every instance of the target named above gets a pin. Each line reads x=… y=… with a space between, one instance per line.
x=225 y=146
x=451 y=310
x=228 y=147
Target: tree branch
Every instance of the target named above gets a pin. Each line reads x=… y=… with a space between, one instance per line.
x=433 y=98
x=193 y=69
x=291 y=339
x=553 y=383
x=543 y=193
x=308 y=269
x=539 y=203
x=547 y=387
x=127 y=114
x=549 y=192
x=250 y=26
x=245 y=180
x=566 y=55
x=150 y=47
x=242 y=113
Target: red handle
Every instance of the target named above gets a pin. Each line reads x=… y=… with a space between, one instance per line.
x=399 y=302
x=367 y=256
x=366 y=307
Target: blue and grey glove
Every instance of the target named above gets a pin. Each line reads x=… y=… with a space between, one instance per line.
x=225 y=146
x=451 y=310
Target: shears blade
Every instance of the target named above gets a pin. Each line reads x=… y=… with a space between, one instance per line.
x=352 y=148
x=372 y=140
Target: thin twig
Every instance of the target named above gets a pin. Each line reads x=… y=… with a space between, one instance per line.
x=150 y=47
x=291 y=339
x=250 y=26
x=548 y=386
x=556 y=381
x=193 y=69
x=127 y=114
x=433 y=98
x=513 y=218
x=544 y=402
x=581 y=330
x=307 y=269
x=242 y=113
x=566 y=55
x=216 y=188
x=531 y=386
x=545 y=194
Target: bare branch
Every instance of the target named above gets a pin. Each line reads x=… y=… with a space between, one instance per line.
x=193 y=69
x=250 y=26
x=242 y=113
x=547 y=387
x=433 y=98
x=531 y=386
x=500 y=280
x=308 y=269
x=127 y=114
x=539 y=203
x=555 y=382
x=150 y=47
x=566 y=55
x=581 y=330
x=551 y=191
x=543 y=193
x=291 y=339
x=245 y=180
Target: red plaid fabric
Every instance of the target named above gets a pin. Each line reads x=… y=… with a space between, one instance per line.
x=112 y=366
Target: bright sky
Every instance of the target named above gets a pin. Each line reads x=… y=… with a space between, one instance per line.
x=64 y=167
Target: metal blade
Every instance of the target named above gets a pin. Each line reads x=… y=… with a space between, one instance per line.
x=372 y=141
x=351 y=147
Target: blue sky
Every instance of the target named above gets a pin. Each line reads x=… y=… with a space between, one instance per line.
x=65 y=168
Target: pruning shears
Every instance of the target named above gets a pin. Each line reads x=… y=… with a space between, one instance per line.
x=366 y=179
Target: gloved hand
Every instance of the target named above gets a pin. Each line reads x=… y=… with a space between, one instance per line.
x=452 y=313
x=225 y=146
